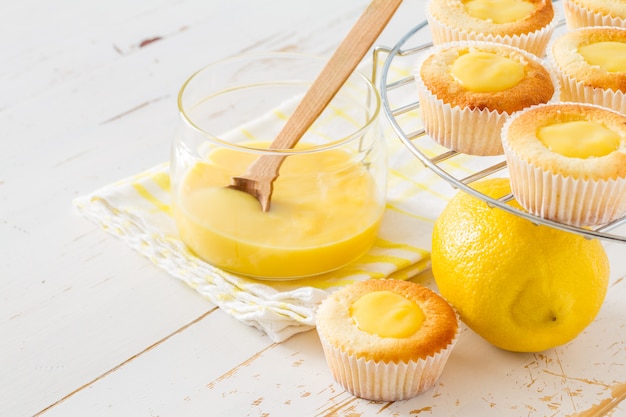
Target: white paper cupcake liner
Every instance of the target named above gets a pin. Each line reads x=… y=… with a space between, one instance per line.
x=470 y=131
x=573 y=90
x=577 y=16
x=380 y=381
x=465 y=130
x=568 y=200
x=533 y=42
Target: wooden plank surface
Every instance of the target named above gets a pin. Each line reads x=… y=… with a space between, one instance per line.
x=89 y=327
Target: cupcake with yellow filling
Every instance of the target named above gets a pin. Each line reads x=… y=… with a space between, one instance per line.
x=591 y=65
x=583 y=13
x=468 y=89
x=526 y=24
x=386 y=340
x=567 y=162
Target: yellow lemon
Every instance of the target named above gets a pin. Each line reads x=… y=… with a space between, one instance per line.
x=522 y=287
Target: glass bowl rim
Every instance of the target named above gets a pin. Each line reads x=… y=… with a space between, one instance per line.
x=371 y=118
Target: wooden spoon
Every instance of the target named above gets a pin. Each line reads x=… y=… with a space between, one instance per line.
x=258 y=180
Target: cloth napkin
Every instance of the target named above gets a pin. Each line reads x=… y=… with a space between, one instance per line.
x=138 y=211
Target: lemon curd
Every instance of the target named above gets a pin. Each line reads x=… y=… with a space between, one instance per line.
x=579 y=139
x=387 y=314
x=486 y=72
x=499 y=11
x=325 y=212
x=610 y=55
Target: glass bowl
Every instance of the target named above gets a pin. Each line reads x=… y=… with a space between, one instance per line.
x=329 y=197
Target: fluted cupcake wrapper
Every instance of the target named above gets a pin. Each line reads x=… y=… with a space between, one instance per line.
x=470 y=131
x=386 y=381
x=533 y=42
x=573 y=90
x=568 y=200
x=577 y=16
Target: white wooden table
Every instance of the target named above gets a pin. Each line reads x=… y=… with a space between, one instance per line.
x=89 y=327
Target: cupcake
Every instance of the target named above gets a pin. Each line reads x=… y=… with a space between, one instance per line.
x=591 y=66
x=582 y=13
x=526 y=24
x=386 y=340
x=567 y=162
x=467 y=90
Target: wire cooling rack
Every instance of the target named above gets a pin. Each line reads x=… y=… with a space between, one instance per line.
x=421 y=146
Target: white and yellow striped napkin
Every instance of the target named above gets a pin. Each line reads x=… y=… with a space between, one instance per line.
x=137 y=210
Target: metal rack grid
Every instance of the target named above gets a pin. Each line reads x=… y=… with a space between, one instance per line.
x=413 y=140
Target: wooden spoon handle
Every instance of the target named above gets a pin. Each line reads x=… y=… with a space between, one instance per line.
x=259 y=178
x=337 y=70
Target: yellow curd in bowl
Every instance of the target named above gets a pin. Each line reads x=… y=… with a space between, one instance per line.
x=325 y=213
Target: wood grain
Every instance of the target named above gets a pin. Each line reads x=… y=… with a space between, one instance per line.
x=90 y=328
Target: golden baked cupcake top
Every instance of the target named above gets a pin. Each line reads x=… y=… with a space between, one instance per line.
x=485 y=75
x=575 y=140
x=387 y=320
x=595 y=56
x=495 y=17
